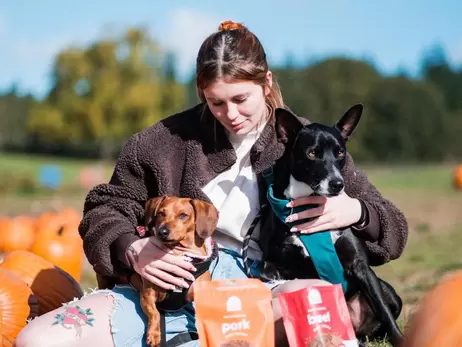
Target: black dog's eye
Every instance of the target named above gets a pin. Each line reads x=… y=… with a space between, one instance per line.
x=340 y=153
x=183 y=216
x=311 y=154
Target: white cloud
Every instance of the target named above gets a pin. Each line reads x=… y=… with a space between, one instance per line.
x=185 y=34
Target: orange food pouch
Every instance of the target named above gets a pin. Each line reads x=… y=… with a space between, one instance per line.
x=234 y=313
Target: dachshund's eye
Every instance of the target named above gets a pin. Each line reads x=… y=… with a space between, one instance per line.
x=161 y=214
x=311 y=154
x=183 y=216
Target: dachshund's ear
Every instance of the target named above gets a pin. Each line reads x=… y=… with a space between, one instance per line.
x=206 y=218
x=150 y=210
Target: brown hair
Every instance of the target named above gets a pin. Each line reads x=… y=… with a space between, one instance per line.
x=235 y=54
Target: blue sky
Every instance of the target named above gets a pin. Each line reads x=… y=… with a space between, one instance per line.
x=393 y=33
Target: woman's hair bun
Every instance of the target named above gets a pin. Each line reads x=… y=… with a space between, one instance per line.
x=230 y=25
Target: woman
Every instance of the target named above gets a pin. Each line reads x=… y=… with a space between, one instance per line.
x=214 y=151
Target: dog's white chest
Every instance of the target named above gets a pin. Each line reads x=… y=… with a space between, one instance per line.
x=297 y=189
x=334 y=235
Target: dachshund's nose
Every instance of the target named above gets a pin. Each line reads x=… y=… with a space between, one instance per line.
x=163 y=232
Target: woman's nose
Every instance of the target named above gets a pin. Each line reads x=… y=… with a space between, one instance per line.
x=232 y=113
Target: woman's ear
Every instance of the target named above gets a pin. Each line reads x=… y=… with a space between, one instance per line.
x=269 y=83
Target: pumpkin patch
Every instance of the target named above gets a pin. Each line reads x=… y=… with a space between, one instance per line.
x=41 y=260
x=16 y=233
x=17 y=305
x=52 y=235
x=51 y=285
x=63 y=248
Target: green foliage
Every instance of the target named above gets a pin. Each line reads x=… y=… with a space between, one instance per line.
x=105 y=92
x=400 y=128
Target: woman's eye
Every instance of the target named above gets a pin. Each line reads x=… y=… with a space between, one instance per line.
x=219 y=103
x=240 y=101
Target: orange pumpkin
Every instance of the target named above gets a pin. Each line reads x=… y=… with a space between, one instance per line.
x=3 y=223
x=16 y=233
x=458 y=177
x=17 y=305
x=63 y=247
x=43 y=220
x=70 y=216
x=51 y=285
x=50 y=222
x=438 y=318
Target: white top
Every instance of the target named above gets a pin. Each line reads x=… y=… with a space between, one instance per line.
x=235 y=194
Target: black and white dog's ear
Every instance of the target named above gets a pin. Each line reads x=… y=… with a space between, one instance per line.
x=349 y=121
x=287 y=123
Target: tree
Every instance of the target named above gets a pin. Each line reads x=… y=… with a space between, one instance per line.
x=105 y=92
x=324 y=91
x=404 y=120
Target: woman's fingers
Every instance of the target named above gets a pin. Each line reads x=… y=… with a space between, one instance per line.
x=178 y=262
x=158 y=282
x=308 y=213
x=167 y=277
x=172 y=269
x=309 y=200
x=319 y=224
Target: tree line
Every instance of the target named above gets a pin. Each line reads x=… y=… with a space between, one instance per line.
x=103 y=93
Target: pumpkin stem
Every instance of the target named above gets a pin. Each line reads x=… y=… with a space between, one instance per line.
x=61 y=230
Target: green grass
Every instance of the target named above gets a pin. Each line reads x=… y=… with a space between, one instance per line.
x=424 y=193
x=30 y=165
x=429 y=177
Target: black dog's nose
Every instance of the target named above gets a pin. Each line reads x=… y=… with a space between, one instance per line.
x=336 y=186
x=163 y=231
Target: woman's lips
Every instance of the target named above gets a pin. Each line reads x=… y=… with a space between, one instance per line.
x=238 y=125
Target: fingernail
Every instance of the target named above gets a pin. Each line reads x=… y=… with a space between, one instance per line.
x=185 y=285
x=288 y=219
x=191 y=278
x=293 y=229
x=289 y=204
x=193 y=269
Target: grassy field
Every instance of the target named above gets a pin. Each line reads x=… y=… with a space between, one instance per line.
x=424 y=193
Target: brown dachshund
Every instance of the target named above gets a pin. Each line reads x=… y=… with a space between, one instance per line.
x=183 y=225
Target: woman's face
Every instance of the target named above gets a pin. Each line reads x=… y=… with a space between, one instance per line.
x=239 y=107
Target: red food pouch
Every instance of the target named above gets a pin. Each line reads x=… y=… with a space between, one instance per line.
x=317 y=317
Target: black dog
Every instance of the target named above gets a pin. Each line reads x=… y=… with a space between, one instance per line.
x=312 y=166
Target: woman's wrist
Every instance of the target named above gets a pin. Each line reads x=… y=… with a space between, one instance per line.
x=363 y=215
x=119 y=250
x=368 y=225
x=132 y=255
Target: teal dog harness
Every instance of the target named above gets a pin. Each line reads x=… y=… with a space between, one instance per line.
x=319 y=245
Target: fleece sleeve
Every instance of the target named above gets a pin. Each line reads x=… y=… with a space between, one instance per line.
x=112 y=212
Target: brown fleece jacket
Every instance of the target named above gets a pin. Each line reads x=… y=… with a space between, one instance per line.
x=181 y=154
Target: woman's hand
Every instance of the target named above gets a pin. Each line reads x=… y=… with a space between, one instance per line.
x=150 y=259
x=331 y=213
